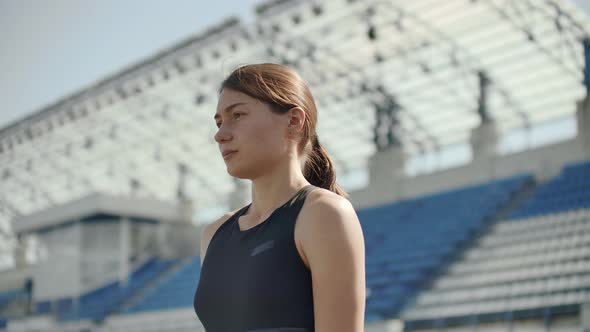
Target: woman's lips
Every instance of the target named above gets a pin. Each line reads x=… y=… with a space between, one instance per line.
x=228 y=154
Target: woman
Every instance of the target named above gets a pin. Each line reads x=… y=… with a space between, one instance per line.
x=294 y=258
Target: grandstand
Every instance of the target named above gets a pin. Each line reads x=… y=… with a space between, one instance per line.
x=460 y=128
x=536 y=263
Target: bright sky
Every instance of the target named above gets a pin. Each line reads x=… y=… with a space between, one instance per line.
x=50 y=49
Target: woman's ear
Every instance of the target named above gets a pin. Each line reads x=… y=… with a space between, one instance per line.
x=296 y=119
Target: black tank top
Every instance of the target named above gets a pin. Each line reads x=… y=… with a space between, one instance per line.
x=255 y=280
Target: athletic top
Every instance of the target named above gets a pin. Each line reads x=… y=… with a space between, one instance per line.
x=254 y=280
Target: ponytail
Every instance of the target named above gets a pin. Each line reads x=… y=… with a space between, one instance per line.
x=319 y=168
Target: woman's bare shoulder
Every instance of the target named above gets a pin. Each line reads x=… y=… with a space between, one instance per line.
x=321 y=198
x=323 y=207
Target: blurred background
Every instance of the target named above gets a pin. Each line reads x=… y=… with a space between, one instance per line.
x=460 y=128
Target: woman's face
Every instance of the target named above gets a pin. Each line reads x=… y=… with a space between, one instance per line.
x=253 y=135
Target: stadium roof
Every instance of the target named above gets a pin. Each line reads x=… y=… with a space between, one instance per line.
x=441 y=67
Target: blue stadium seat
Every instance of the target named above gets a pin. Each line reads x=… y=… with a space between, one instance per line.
x=568 y=191
x=176 y=292
x=531 y=265
x=408 y=241
x=99 y=303
x=8 y=296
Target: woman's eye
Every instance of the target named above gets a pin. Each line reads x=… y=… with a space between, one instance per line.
x=235 y=115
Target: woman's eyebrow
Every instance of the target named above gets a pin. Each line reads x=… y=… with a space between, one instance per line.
x=227 y=109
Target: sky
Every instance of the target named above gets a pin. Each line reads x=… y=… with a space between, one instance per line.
x=51 y=49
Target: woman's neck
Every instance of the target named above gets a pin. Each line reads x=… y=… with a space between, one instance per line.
x=274 y=189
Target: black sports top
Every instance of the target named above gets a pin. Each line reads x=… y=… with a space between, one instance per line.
x=254 y=280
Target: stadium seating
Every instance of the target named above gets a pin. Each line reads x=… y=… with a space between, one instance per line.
x=407 y=242
x=8 y=296
x=97 y=304
x=570 y=190
x=535 y=263
x=175 y=292
x=399 y=257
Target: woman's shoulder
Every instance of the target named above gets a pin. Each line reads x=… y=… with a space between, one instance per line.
x=328 y=229
x=321 y=199
x=325 y=209
x=210 y=229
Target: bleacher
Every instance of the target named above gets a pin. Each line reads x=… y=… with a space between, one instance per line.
x=7 y=297
x=521 y=264
x=175 y=292
x=536 y=264
x=570 y=190
x=408 y=241
x=166 y=307
x=399 y=260
x=99 y=303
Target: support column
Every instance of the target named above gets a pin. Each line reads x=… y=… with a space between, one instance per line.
x=186 y=207
x=162 y=237
x=387 y=165
x=583 y=120
x=583 y=112
x=20 y=252
x=484 y=139
x=124 y=251
x=184 y=236
x=185 y=202
x=586 y=46
x=387 y=173
x=484 y=145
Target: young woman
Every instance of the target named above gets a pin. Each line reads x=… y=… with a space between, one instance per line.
x=294 y=258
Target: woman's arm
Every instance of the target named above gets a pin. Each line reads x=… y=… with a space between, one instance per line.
x=334 y=246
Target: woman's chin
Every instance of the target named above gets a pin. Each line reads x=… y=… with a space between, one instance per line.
x=241 y=173
x=235 y=172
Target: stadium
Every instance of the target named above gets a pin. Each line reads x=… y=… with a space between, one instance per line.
x=460 y=128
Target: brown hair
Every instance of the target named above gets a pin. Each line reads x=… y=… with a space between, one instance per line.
x=282 y=88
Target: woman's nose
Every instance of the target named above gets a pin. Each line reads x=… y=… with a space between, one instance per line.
x=222 y=135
